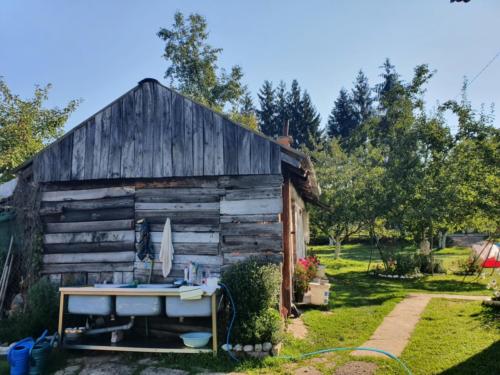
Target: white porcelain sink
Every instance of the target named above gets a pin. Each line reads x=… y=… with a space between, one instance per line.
x=141 y=305
x=90 y=305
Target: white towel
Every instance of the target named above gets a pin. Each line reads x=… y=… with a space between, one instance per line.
x=167 y=249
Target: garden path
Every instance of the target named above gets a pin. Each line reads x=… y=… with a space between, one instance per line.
x=396 y=328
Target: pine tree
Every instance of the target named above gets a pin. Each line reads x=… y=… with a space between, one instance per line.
x=311 y=122
x=362 y=97
x=267 y=112
x=343 y=119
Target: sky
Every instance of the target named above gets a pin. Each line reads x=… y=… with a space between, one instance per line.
x=96 y=50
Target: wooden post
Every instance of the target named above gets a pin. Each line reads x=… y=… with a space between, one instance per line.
x=286 y=286
x=61 y=318
x=214 y=323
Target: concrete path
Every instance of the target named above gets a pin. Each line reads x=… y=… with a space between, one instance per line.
x=396 y=328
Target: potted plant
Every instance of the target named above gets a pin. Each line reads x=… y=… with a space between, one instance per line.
x=300 y=281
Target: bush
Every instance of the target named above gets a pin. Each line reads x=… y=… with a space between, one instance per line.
x=406 y=264
x=255 y=288
x=41 y=313
x=427 y=265
x=469 y=266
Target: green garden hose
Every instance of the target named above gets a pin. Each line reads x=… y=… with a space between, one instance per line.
x=310 y=354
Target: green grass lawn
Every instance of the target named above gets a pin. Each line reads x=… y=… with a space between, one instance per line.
x=453 y=337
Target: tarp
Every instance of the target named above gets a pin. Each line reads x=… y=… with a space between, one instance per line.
x=7 y=188
x=489 y=253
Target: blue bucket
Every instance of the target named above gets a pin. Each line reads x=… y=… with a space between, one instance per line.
x=18 y=356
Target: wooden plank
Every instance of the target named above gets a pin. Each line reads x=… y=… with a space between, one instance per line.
x=178 y=135
x=114 y=257
x=244 y=139
x=128 y=140
x=250 y=182
x=191 y=237
x=186 y=217
x=230 y=148
x=55 y=159
x=78 y=162
x=89 y=148
x=208 y=143
x=248 y=229
x=287 y=269
x=66 y=153
x=198 y=140
x=138 y=133
x=49 y=208
x=251 y=243
x=251 y=207
x=269 y=218
x=158 y=227
x=166 y=126
x=219 y=145
x=275 y=158
x=105 y=143
x=260 y=155
x=90 y=215
x=231 y=258
x=256 y=193
x=62 y=195
x=148 y=107
x=166 y=207
x=185 y=182
x=96 y=163
x=188 y=138
x=87 y=267
x=179 y=195
x=115 y=146
x=88 y=226
x=109 y=236
x=156 y=124
x=188 y=248
x=89 y=247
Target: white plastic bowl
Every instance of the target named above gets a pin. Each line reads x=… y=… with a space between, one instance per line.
x=196 y=339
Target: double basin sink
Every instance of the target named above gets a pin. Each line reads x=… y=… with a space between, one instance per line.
x=138 y=305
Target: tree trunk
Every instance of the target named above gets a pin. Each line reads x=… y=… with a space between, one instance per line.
x=331 y=241
x=337 y=248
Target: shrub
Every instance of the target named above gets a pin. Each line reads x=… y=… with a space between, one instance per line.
x=40 y=313
x=405 y=264
x=300 y=281
x=469 y=266
x=255 y=288
x=427 y=265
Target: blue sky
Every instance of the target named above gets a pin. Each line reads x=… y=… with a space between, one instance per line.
x=96 y=50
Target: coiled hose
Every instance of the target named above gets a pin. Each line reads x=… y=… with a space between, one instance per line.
x=304 y=355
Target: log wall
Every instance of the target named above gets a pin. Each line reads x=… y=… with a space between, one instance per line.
x=90 y=228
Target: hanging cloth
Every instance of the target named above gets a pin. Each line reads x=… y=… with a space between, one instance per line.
x=143 y=246
x=167 y=249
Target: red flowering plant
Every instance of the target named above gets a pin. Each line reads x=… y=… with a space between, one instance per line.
x=305 y=272
x=311 y=264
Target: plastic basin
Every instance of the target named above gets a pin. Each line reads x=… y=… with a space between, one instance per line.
x=196 y=339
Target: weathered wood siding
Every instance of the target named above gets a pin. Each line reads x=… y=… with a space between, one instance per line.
x=152 y=131
x=90 y=231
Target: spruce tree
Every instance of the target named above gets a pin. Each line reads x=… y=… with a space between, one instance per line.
x=343 y=120
x=311 y=121
x=282 y=108
x=267 y=112
x=296 y=125
x=362 y=97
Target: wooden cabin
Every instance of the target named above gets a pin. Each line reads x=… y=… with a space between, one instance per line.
x=230 y=192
